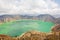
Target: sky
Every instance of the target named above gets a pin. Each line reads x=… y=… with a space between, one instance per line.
x=30 y=7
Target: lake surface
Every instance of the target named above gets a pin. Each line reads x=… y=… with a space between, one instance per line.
x=21 y=26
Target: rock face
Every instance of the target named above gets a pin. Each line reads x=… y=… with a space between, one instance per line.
x=32 y=35
x=5 y=37
x=53 y=36
x=56 y=28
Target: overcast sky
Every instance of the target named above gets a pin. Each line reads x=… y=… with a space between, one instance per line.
x=29 y=7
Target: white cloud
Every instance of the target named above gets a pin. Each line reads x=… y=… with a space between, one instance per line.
x=29 y=6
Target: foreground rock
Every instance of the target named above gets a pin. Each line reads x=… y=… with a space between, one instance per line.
x=5 y=37
x=32 y=35
x=53 y=36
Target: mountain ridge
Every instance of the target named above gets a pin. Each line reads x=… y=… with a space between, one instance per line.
x=43 y=17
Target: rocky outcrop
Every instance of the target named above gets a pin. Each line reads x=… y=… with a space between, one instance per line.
x=5 y=37
x=56 y=28
x=33 y=35
x=53 y=36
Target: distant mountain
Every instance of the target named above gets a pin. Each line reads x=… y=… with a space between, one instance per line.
x=42 y=17
x=57 y=15
x=46 y=17
x=8 y=18
x=57 y=20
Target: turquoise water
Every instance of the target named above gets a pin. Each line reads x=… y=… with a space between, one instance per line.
x=18 y=27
